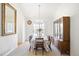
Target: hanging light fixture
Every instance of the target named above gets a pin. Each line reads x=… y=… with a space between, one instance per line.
x=39 y=11
x=39 y=14
x=40 y=29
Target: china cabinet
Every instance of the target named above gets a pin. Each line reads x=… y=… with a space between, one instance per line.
x=62 y=34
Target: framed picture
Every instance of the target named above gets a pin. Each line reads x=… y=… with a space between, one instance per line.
x=8 y=19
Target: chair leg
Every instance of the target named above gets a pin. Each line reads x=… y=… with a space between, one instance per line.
x=43 y=51
x=35 y=51
x=30 y=48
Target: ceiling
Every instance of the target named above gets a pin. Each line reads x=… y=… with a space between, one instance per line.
x=31 y=10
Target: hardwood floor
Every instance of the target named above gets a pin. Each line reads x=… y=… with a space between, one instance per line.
x=39 y=53
x=23 y=50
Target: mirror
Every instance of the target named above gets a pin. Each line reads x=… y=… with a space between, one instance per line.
x=8 y=19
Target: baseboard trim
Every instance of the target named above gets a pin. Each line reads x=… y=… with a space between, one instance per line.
x=8 y=52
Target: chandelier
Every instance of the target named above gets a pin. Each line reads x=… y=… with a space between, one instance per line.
x=39 y=11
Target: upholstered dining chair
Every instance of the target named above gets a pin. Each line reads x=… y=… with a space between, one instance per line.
x=30 y=37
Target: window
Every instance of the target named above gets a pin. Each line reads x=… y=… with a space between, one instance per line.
x=39 y=29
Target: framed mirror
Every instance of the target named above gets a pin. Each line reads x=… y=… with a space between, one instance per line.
x=8 y=19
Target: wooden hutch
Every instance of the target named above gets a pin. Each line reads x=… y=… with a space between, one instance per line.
x=62 y=33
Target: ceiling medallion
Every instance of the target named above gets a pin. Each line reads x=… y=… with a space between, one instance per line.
x=29 y=22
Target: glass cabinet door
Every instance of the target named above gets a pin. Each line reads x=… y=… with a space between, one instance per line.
x=61 y=29
x=58 y=29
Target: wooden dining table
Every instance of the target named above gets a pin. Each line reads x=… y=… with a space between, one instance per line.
x=39 y=45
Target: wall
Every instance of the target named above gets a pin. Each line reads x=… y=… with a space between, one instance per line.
x=71 y=10
x=8 y=43
x=0 y=19
x=31 y=11
x=20 y=25
x=48 y=27
x=28 y=28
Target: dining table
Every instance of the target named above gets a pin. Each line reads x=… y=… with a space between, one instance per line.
x=46 y=42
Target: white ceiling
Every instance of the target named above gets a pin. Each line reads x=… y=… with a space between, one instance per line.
x=31 y=10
